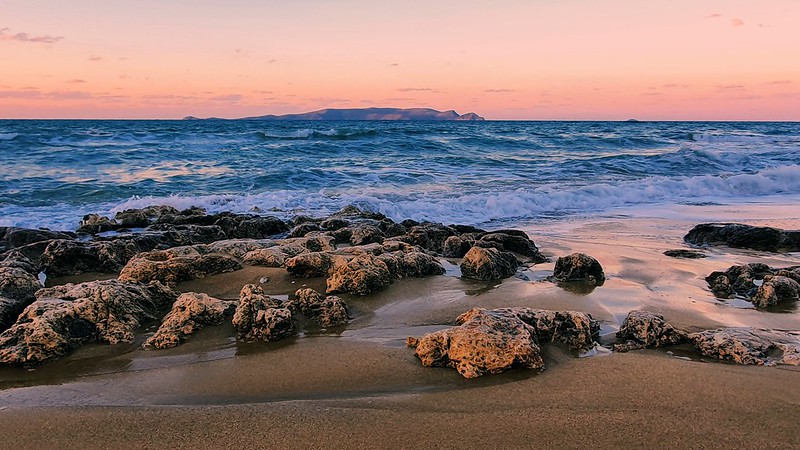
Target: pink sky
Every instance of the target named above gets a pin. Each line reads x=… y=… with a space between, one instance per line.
x=534 y=59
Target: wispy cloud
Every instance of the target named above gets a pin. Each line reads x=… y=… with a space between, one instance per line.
x=737 y=22
x=95 y=58
x=674 y=86
x=416 y=89
x=714 y=16
x=226 y=98
x=76 y=81
x=7 y=35
x=498 y=91
x=779 y=82
x=730 y=87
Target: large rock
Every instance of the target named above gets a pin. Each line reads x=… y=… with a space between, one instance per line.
x=457 y=246
x=405 y=264
x=190 y=312
x=684 y=254
x=488 y=264
x=68 y=257
x=513 y=241
x=430 y=236
x=65 y=317
x=327 y=311
x=310 y=265
x=492 y=341
x=95 y=223
x=257 y=227
x=643 y=329
x=17 y=289
x=749 y=345
x=15 y=237
x=260 y=317
x=739 y=235
x=776 y=289
x=273 y=256
x=579 y=267
x=177 y=264
x=360 y=275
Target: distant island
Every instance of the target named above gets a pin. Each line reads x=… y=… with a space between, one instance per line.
x=368 y=114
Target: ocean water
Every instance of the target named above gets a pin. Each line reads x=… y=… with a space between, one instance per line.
x=483 y=173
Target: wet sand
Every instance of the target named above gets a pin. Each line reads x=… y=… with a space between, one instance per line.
x=358 y=386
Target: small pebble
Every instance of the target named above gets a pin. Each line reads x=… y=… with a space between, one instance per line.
x=263 y=280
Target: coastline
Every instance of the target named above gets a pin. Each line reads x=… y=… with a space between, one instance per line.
x=349 y=384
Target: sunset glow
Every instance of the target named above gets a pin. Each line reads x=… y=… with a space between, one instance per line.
x=616 y=59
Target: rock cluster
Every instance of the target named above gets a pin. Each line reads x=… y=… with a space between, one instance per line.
x=177 y=264
x=190 y=312
x=758 y=283
x=260 y=317
x=327 y=311
x=749 y=346
x=739 y=235
x=492 y=341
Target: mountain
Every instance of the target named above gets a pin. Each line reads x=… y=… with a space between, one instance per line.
x=369 y=114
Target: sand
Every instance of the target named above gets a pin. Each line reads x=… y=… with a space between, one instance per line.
x=359 y=387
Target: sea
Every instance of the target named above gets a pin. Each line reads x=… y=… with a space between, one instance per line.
x=492 y=174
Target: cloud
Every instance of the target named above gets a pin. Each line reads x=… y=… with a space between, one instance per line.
x=394 y=64
x=497 y=91
x=730 y=86
x=95 y=58
x=417 y=89
x=674 y=86
x=737 y=22
x=226 y=98
x=713 y=16
x=779 y=82
x=33 y=93
x=76 y=81
x=6 y=35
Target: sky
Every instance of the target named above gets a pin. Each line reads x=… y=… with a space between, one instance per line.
x=534 y=59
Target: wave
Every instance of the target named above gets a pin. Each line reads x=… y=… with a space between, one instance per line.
x=8 y=136
x=307 y=133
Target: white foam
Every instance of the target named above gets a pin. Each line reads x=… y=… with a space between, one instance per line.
x=8 y=136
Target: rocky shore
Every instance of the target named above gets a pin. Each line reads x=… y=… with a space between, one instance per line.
x=129 y=269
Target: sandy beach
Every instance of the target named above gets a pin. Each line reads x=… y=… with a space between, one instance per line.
x=358 y=386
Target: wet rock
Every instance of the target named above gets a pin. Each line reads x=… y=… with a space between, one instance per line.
x=579 y=267
x=491 y=341
x=303 y=229
x=360 y=275
x=300 y=220
x=390 y=228
x=514 y=241
x=68 y=257
x=488 y=264
x=365 y=234
x=749 y=345
x=163 y=236
x=190 y=312
x=14 y=237
x=260 y=317
x=430 y=236
x=95 y=223
x=790 y=272
x=258 y=228
x=334 y=224
x=238 y=248
x=140 y=218
x=486 y=341
x=18 y=260
x=17 y=289
x=310 y=265
x=776 y=289
x=457 y=246
x=737 y=280
x=273 y=256
x=65 y=317
x=327 y=311
x=353 y=212
x=643 y=329
x=739 y=235
x=177 y=264
x=405 y=264
x=685 y=254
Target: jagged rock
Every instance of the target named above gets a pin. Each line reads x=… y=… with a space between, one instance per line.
x=95 y=223
x=65 y=317
x=430 y=236
x=749 y=345
x=140 y=218
x=17 y=289
x=685 y=254
x=643 y=329
x=579 y=267
x=488 y=264
x=405 y=264
x=334 y=224
x=177 y=264
x=360 y=275
x=300 y=220
x=68 y=257
x=737 y=280
x=790 y=272
x=353 y=212
x=165 y=235
x=776 y=289
x=491 y=341
x=17 y=260
x=273 y=256
x=310 y=265
x=457 y=246
x=303 y=229
x=260 y=317
x=738 y=235
x=238 y=248
x=327 y=311
x=15 y=237
x=513 y=241
x=390 y=228
x=258 y=227
x=190 y=312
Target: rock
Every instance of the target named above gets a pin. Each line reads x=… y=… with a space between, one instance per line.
x=365 y=234
x=140 y=218
x=353 y=212
x=488 y=264
x=65 y=317
x=260 y=317
x=491 y=341
x=390 y=228
x=177 y=264
x=190 y=312
x=334 y=224
x=310 y=265
x=17 y=289
x=685 y=254
x=776 y=289
x=327 y=311
x=485 y=341
x=738 y=235
x=14 y=237
x=95 y=223
x=430 y=236
x=273 y=256
x=68 y=257
x=457 y=246
x=303 y=229
x=790 y=272
x=238 y=248
x=579 y=267
x=749 y=345
x=737 y=280
x=360 y=275
x=258 y=227
x=405 y=264
x=514 y=241
x=643 y=329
